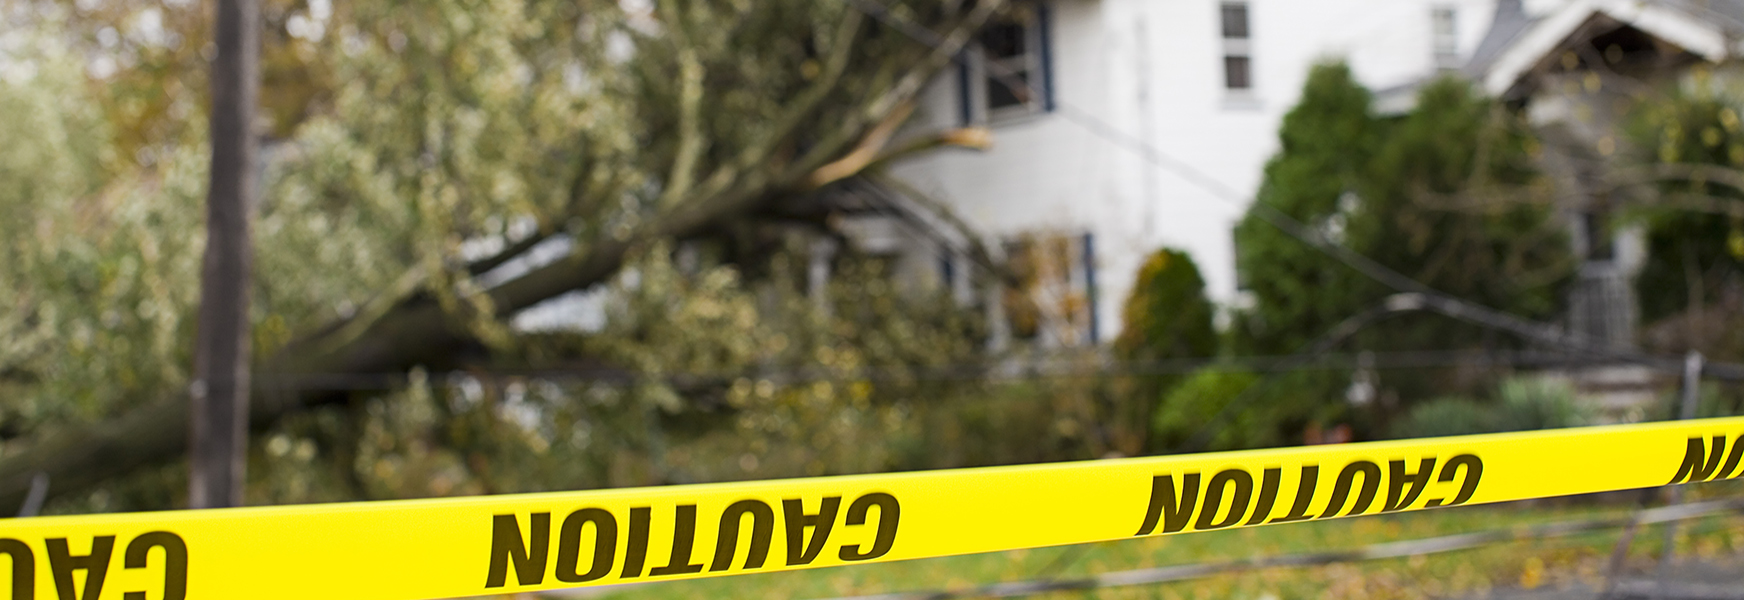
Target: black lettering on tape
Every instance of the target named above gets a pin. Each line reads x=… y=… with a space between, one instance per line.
x=23 y=568
x=1397 y=479
x=605 y=545
x=799 y=552
x=507 y=546
x=889 y=514
x=1474 y=471
x=1238 y=502
x=637 y=553
x=762 y=528
x=1371 y=473
x=1699 y=465
x=1268 y=495
x=1173 y=510
x=1304 y=495
x=175 y=569
x=1732 y=459
x=683 y=541
x=95 y=565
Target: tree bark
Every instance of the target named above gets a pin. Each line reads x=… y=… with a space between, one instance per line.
x=218 y=396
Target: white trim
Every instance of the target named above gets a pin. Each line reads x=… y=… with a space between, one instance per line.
x=1444 y=45
x=1695 y=35
x=1541 y=39
x=1698 y=36
x=1237 y=47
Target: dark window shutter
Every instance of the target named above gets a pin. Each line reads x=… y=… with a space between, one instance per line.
x=965 y=96
x=1090 y=286
x=1044 y=26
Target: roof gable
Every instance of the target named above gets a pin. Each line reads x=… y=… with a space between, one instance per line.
x=1703 y=28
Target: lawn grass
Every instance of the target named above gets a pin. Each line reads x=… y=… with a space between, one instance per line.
x=1528 y=563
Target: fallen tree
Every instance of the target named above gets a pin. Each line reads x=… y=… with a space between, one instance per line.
x=697 y=153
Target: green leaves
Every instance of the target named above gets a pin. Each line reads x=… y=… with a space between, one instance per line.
x=1446 y=195
x=1692 y=219
x=442 y=135
x=1167 y=315
x=1327 y=145
x=1519 y=404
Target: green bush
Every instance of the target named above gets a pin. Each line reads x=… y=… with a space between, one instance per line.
x=1529 y=403
x=1453 y=415
x=1167 y=315
x=1265 y=417
x=1184 y=410
x=1521 y=404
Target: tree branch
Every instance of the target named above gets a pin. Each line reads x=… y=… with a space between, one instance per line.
x=691 y=140
x=978 y=249
x=864 y=153
x=1693 y=172
x=514 y=250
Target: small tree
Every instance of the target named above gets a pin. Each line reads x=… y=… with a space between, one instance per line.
x=1445 y=195
x=1325 y=146
x=1166 y=317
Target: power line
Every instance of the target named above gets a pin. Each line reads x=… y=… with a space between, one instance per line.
x=993 y=371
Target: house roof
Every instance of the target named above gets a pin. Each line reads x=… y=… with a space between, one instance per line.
x=1518 y=41
x=1731 y=12
x=1510 y=21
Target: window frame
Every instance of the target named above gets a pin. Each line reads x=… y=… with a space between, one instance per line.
x=1444 y=46
x=1223 y=12
x=1237 y=44
x=975 y=79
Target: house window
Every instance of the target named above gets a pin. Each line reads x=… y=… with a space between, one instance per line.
x=1237 y=54
x=1235 y=20
x=1235 y=73
x=1444 y=36
x=1051 y=298
x=1006 y=74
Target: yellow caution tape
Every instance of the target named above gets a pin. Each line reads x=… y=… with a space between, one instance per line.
x=452 y=547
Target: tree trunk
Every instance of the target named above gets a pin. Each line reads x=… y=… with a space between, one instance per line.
x=218 y=441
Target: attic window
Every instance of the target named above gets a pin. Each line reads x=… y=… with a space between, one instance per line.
x=1235 y=20
x=1237 y=53
x=1444 y=36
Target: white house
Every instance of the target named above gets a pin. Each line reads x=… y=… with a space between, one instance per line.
x=1147 y=123
x=1152 y=122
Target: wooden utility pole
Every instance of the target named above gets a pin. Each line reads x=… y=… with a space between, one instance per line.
x=218 y=445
